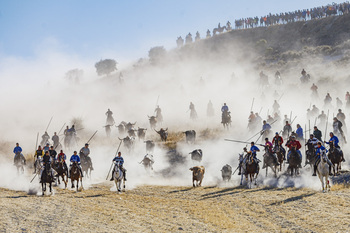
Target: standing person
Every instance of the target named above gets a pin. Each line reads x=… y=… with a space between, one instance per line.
x=84 y=154
x=193 y=113
x=110 y=119
x=75 y=159
x=120 y=161
x=210 y=109
x=18 y=153
x=56 y=140
x=317 y=133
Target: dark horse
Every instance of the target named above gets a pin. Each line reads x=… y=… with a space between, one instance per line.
x=310 y=155
x=335 y=156
x=294 y=161
x=86 y=165
x=251 y=169
x=226 y=119
x=61 y=172
x=270 y=161
x=46 y=177
x=19 y=162
x=75 y=175
x=280 y=156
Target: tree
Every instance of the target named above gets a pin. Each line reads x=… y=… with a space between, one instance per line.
x=106 y=66
x=156 y=54
x=74 y=75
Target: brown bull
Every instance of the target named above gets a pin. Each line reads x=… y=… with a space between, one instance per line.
x=197 y=175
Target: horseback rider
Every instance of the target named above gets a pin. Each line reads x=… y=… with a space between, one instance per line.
x=38 y=155
x=313 y=141
x=193 y=113
x=225 y=113
x=322 y=118
x=321 y=150
x=47 y=147
x=327 y=99
x=61 y=157
x=268 y=149
x=278 y=142
x=287 y=129
x=317 y=133
x=341 y=117
x=75 y=159
x=299 y=132
x=334 y=139
x=293 y=143
x=337 y=128
x=53 y=153
x=56 y=140
x=120 y=161
x=158 y=112
x=18 y=153
x=266 y=128
x=254 y=149
x=46 y=161
x=45 y=138
x=276 y=106
x=84 y=153
x=243 y=158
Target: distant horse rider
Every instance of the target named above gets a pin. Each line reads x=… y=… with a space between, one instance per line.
x=56 y=140
x=120 y=161
x=39 y=153
x=268 y=148
x=46 y=161
x=225 y=112
x=18 y=154
x=45 y=139
x=334 y=139
x=75 y=159
x=61 y=158
x=84 y=154
x=110 y=119
x=278 y=142
x=293 y=143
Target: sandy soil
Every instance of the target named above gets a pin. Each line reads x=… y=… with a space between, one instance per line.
x=176 y=209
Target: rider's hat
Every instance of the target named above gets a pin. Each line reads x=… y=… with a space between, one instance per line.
x=86 y=144
x=276 y=132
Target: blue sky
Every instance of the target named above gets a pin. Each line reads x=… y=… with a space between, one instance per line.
x=118 y=29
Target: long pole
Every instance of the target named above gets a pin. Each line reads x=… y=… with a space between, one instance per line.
x=260 y=131
x=325 y=132
x=61 y=128
x=36 y=145
x=48 y=124
x=114 y=157
x=251 y=107
x=92 y=137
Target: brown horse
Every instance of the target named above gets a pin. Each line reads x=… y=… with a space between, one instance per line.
x=46 y=177
x=61 y=172
x=251 y=169
x=280 y=157
x=75 y=175
x=335 y=156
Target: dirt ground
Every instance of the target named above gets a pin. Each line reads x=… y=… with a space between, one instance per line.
x=177 y=209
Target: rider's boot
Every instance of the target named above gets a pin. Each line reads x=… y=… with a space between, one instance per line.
x=315 y=168
x=112 y=178
x=124 y=174
x=68 y=173
x=82 y=174
x=330 y=171
x=342 y=158
x=264 y=166
x=239 y=171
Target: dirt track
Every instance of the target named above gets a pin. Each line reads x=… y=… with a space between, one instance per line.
x=176 y=209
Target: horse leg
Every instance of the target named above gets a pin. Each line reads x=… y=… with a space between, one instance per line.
x=266 y=170
x=72 y=181
x=42 y=189
x=50 y=186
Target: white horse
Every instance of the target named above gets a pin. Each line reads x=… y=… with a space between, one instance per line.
x=118 y=177
x=323 y=171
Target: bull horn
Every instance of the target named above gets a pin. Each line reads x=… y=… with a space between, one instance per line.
x=120 y=139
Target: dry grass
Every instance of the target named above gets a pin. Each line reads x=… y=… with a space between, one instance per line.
x=173 y=209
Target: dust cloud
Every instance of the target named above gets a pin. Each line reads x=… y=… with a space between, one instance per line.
x=34 y=90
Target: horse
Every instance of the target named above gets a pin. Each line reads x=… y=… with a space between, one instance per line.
x=226 y=173
x=335 y=156
x=294 y=161
x=19 y=162
x=118 y=177
x=310 y=155
x=280 y=156
x=269 y=161
x=46 y=177
x=61 y=172
x=226 y=119
x=250 y=168
x=75 y=175
x=86 y=165
x=219 y=29
x=323 y=171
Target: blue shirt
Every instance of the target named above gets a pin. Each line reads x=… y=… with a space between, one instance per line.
x=224 y=108
x=320 y=150
x=119 y=160
x=335 y=141
x=17 y=149
x=253 y=149
x=75 y=158
x=267 y=126
x=299 y=132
